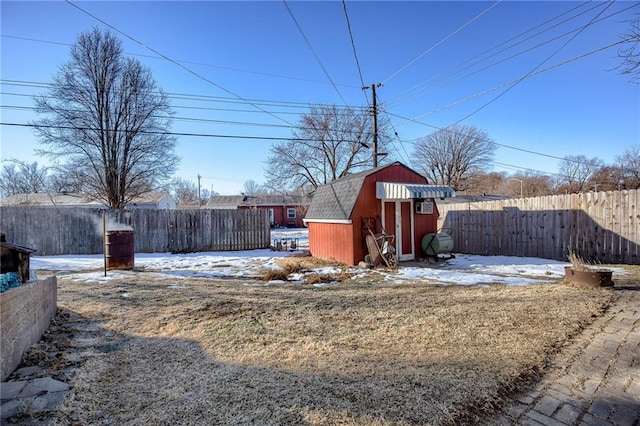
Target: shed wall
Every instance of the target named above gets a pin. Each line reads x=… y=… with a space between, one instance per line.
x=332 y=241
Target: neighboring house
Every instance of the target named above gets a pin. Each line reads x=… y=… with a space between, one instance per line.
x=153 y=200
x=150 y=200
x=284 y=210
x=51 y=199
x=393 y=199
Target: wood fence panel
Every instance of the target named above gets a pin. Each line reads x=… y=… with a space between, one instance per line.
x=602 y=226
x=55 y=231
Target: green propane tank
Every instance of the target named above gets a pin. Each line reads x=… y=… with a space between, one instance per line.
x=434 y=244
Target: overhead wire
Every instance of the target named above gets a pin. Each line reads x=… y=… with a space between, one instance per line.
x=353 y=46
x=304 y=36
x=190 y=134
x=191 y=97
x=534 y=69
x=175 y=62
x=447 y=129
x=442 y=41
x=486 y=67
x=459 y=67
x=141 y=55
x=486 y=91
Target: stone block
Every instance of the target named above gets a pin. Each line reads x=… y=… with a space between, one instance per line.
x=567 y=414
x=547 y=405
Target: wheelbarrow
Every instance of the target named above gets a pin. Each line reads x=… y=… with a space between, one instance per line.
x=381 y=250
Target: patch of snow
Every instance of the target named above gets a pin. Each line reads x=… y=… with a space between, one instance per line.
x=460 y=270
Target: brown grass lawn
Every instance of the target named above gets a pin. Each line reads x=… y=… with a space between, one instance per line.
x=356 y=353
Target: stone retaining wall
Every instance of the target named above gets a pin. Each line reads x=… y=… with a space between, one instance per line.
x=25 y=313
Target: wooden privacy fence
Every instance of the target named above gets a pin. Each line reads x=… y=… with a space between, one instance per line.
x=599 y=226
x=67 y=230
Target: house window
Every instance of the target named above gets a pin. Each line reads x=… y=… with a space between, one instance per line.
x=291 y=213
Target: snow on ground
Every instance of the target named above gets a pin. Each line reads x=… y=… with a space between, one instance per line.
x=461 y=270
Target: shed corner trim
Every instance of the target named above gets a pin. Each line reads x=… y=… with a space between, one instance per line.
x=339 y=221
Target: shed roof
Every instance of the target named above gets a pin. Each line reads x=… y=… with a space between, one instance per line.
x=336 y=200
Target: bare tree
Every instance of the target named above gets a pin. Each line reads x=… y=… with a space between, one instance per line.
x=251 y=187
x=23 y=178
x=485 y=183
x=575 y=171
x=106 y=117
x=65 y=178
x=606 y=178
x=631 y=53
x=629 y=164
x=185 y=192
x=329 y=143
x=451 y=156
x=527 y=185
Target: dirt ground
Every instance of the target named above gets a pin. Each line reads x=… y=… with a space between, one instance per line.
x=149 y=348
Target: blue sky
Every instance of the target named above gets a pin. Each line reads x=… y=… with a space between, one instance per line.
x=248 y=70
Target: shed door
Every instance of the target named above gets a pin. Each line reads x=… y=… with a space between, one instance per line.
x=398 y=220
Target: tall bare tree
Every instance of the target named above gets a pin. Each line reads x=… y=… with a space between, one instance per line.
x=451 y=156
x=329 y=143
x=575 y=171
x=105 y=116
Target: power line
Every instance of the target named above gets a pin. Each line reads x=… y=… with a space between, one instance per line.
x=417 y=96
x=204 y=135
x=175 y=62
x=447 y=129
x=484 y=92
x=353 y=46
x=281 y=76
x=313 y=51
x=191 y=119
x=459 y=67
x=190 y=96
x=442 y=41
x=534 y=69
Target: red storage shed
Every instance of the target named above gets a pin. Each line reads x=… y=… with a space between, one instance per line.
x=393 y=199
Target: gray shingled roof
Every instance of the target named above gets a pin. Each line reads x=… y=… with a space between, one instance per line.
x=46 y=199
x=235 y=201
x=336 y=200
x=71 y=200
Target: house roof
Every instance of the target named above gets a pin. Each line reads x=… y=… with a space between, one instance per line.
x=149 y=198
x=72 y=200
x=336 y=200
x=50 y=199
x=235 y=201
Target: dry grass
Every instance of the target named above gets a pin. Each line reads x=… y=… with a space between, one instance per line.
x=356 y=353
x=303 y=265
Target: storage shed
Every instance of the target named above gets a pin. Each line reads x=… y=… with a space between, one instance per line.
x=393 y=199
x=15 y=258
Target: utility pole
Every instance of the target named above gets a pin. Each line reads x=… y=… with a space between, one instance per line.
x=199 y=201
x=374 y=111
